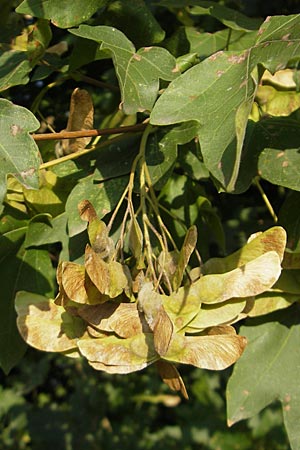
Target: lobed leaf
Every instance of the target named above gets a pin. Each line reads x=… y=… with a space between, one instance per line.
x=219 y=92
x=138 y=72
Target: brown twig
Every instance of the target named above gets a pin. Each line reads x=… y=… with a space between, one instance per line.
x=88 y=133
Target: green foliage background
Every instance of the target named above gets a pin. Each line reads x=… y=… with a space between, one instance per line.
x=49 y=401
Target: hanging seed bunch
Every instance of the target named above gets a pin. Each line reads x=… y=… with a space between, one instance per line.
x=124 y=310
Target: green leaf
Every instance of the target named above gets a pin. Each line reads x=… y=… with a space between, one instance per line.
x=280 y=166
x=14 y=69
x=44 y=230
x=229 y=17
x=60 y=12
x=20 y=269
x=289 y=218
x=103 y=196
x=138 y=72
x=219 y=92
x=15 y=123
x=122 y=15
x=161 y=151
x=261 y=377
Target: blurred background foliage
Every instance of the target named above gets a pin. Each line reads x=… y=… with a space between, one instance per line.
x=52 y=402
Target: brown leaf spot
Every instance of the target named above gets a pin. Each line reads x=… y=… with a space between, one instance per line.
x=286 y=37
x=280 y=155
x=147 y=49
x=220 y=73
x=245 y=392
x=27 y=173
x=15 y=129
x=285 y=164
x=266 y=44
x=244 y=83
x=176 y=69
x=137 y=57
x=237 y=59
x=215 y=55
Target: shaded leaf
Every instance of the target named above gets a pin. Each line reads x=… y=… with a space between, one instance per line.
x=122 y=15
x=14 y=69
x=229 y=17
x=138 y=72
x=15 y=123
x=103 y=196
x=260 y=377
x=171 y=377
x=59 y=11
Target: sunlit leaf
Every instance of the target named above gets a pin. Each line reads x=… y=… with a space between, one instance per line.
x=186 y=251
x=15 y=123
x=269 y=302
x=98 y=234
x=45 y=325
x=212 y=315
x=110 y=278
x=137 y=351
x=253 y=278
x=215 y=352
x=273 y=239
x=123 y=319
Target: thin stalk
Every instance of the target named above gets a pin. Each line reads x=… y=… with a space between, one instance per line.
x=266 y=200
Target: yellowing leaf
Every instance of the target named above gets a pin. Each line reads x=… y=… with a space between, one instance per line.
x=110 y=278
x=137 y=351
x=215 y=352
x=187 y=249
x=271 y=301
x=182 y=306
x=171 y=377
x=216 y=314
x=273 y=239
x=249 y=280
x=98 y=234
x=120 y=369
x=150 y=302
x=123 y=319
x=81 y=117
x=45 y=325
